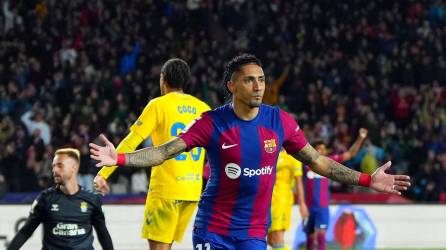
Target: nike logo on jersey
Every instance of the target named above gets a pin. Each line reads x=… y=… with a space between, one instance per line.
x=224 y=146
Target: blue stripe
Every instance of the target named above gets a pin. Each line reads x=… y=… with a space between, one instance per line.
x=317 y=192
x=250 y=158
x=271 y=120
x=207 y=199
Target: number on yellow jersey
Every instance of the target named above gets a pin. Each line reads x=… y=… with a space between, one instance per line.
x=194 y=153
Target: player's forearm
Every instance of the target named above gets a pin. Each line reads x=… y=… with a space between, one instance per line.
x=148 y=157
x=335 y=171
x=18 y=241
x=104 y=237
x=327 y=167
x=23 y=235
x=300 y=191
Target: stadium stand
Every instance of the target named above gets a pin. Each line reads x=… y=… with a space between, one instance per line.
x=72 y=68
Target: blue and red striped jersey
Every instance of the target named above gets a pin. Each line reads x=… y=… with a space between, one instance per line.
x=242 y=156
x=317 y=192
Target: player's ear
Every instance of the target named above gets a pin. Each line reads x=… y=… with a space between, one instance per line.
x=76 y=167
x=231 y=86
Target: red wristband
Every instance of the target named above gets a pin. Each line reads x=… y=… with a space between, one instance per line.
x=121 y=160
x=365 y=180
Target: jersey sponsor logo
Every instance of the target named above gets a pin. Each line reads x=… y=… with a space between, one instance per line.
x=233 y=171
x=188 y=177
x=224 y=146
x=270 y=145
x=267 y=170
x=84 y=207
x=54 y=207
x=68 y=230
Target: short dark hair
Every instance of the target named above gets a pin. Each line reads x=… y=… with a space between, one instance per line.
x=318 y=141
x=176 y=73
x=235 y=64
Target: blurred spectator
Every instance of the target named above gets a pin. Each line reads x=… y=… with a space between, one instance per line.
x=92 y=65
x=36 y=126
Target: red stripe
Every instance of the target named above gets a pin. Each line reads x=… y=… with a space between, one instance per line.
x=324 y=192
x=227 y=195
x=309 y=193
x=262 y=200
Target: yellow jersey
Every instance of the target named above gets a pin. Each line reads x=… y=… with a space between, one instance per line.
x=163 y=118
x=286 y=170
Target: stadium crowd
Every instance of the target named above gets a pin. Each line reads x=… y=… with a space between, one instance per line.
x=70 y=69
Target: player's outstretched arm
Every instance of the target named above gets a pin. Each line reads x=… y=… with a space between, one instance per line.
x=98 y=222
x=146 y=157
x=23 y=234
x=33 y=221
x=379 y=180
x=354 y=149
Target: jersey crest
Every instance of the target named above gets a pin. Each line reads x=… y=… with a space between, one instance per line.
x=270 y=146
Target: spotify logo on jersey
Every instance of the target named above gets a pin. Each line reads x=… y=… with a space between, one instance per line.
x=233 y=170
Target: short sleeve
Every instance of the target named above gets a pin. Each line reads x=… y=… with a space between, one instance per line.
x=294 y=139
x=98 y=215
x=198 y=133
x=297 y=167
x=37 y=209
x=148 y=121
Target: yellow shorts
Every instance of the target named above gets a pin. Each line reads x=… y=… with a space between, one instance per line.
x=166 y=220
x=280 y=214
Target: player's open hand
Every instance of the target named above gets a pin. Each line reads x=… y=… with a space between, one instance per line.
x=100 y=185
x=303 y=209
x=388 y=183
x=106 y=155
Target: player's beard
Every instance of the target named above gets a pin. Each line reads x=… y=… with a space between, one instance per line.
x=256 y=100
x=251 y=103
x=58 y=180
x=255 y=103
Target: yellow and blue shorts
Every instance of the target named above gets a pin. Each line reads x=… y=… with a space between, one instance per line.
x=166 y=220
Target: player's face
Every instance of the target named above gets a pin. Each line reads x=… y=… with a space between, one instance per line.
x=63 y=168
x=248 y=85
x=322 y=149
